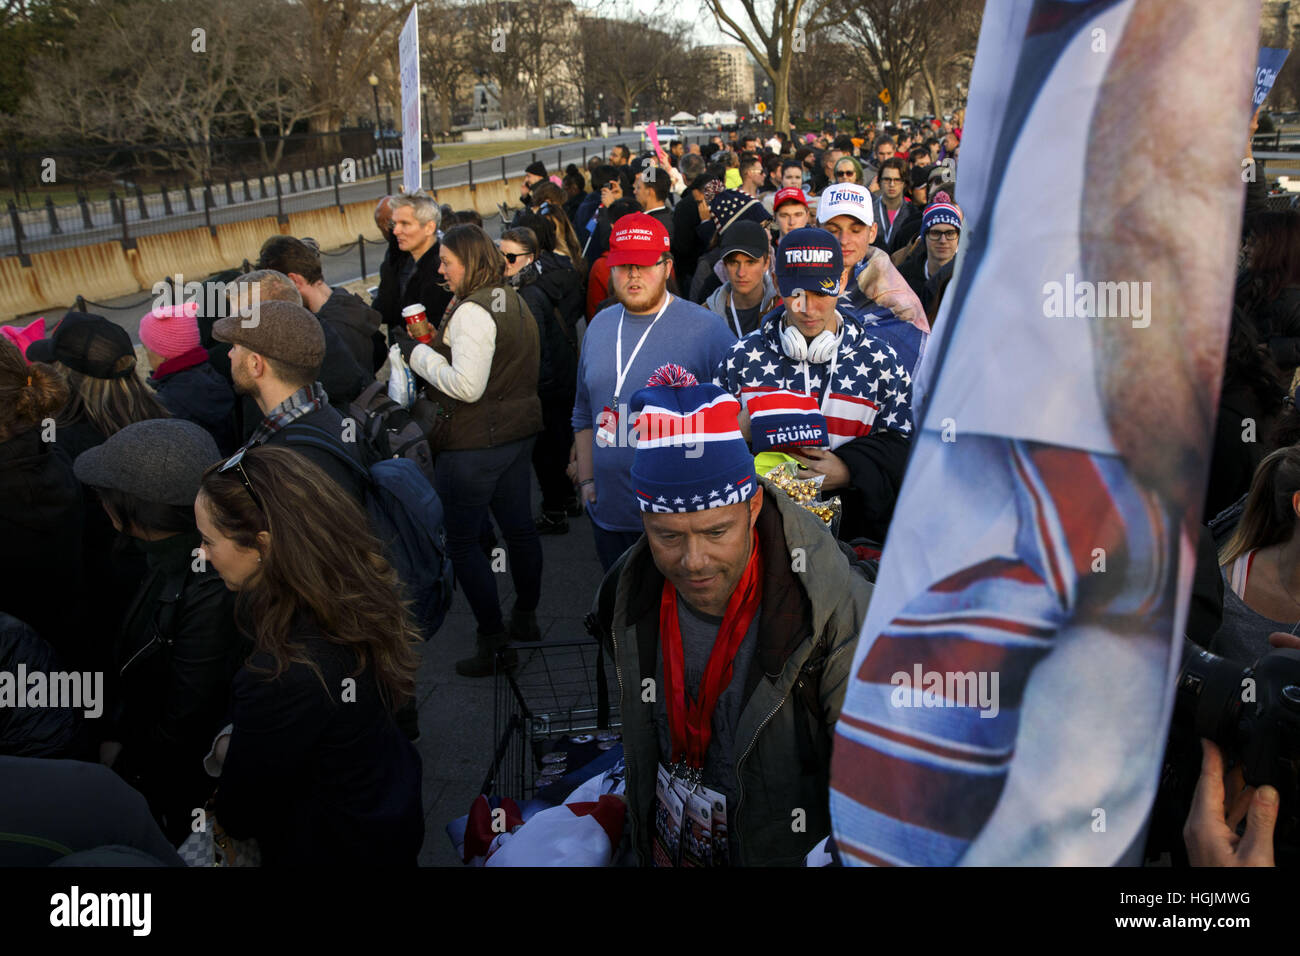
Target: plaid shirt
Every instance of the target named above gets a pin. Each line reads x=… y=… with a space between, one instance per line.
x=302 y=402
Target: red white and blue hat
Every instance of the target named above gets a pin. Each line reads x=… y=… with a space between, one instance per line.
x=940 y=213
x=809 y=259
x=784 y=419
x=690 y=455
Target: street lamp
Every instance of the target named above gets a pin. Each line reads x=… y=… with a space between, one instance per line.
x=379 y=143
x=424 y=101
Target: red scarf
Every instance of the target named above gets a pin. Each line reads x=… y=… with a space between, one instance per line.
x=690 y=723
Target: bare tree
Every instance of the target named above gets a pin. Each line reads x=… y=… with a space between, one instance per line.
x=524 y=46
x=104 y=90
x=776 y=31
x=897 y=39
x=951 y=48
x=821 y=78
x=626 y=58
x=344 y=40
x=444 y=54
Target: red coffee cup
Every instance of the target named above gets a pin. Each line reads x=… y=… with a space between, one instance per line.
x=417 y=323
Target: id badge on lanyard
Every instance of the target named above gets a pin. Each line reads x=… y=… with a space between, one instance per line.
x=607 y=420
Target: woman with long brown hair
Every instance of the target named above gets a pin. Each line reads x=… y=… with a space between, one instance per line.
x=548 y=201
x=1260 y=563
x=106 y=394
x=40 y=508
x=482 y=367
x=315 y=768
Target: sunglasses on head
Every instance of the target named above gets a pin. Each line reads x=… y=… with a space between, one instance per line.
x=235 y=461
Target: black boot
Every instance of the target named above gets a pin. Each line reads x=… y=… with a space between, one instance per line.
x=552 y=522
x=484 y=662
x=523 y=626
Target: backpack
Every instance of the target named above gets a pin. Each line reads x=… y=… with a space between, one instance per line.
x=406 y=515
x=387 y=430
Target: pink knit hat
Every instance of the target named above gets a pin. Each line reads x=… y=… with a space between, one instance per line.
x=171 y=330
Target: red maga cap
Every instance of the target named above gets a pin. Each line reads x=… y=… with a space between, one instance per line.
x=637 y=240
x=789 y=194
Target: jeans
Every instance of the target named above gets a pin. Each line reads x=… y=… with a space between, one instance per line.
x=610 y=545
x=470 y=483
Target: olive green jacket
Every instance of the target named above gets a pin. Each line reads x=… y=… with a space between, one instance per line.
x=813 y=606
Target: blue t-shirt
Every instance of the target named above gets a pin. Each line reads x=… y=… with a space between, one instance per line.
x=686 y=334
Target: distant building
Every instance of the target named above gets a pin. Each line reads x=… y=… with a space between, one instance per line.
x=729 y=76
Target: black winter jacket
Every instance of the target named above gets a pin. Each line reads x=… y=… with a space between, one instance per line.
x=357 y=325
x=198 y=393
x=62 y=807
x=1277 y=320
x=328 y=420
x=424 y=287
x=176 y=656
x=41 y=518
x=34 y=731
x=549 y=287
x=317 y=770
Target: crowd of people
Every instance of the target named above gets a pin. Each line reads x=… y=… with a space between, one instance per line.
x=660 y=341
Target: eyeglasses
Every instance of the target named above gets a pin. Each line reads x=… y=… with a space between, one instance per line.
x=942 y=235
x=890 y=179
x=235 y=461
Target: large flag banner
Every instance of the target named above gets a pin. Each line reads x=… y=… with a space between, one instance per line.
x=1010 y=695
x=1271 y=61
x=408 y=49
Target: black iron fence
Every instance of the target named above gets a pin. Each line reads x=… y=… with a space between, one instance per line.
x=62 y=214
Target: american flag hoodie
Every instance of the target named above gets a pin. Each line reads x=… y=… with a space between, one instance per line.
x=865 y=385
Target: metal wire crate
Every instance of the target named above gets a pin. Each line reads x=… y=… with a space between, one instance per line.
x=552 y=692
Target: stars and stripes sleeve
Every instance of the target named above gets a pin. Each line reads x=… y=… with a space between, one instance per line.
x=916 y=784
x=727 y=375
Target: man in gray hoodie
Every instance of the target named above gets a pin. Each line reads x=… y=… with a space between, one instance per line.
x=749 y=292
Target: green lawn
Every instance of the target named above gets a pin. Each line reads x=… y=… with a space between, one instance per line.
x=450 y=154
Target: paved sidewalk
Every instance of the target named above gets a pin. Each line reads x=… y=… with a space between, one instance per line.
x=456 y=742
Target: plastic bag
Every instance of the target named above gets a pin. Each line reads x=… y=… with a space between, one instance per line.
x=401 y=380
x=806 y=492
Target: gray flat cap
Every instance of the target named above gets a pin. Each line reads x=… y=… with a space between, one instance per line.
x=160 y=460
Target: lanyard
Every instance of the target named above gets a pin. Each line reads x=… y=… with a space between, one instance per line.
x=690 y=722
x=621 y=370
x=735 y=319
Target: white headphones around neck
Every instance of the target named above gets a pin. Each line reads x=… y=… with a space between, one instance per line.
x=817 y=352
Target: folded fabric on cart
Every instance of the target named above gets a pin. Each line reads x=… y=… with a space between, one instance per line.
x=558 y=840
x=583 y=833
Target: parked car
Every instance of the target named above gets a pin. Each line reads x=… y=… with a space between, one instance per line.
x=561 y=129
x=668 y=132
